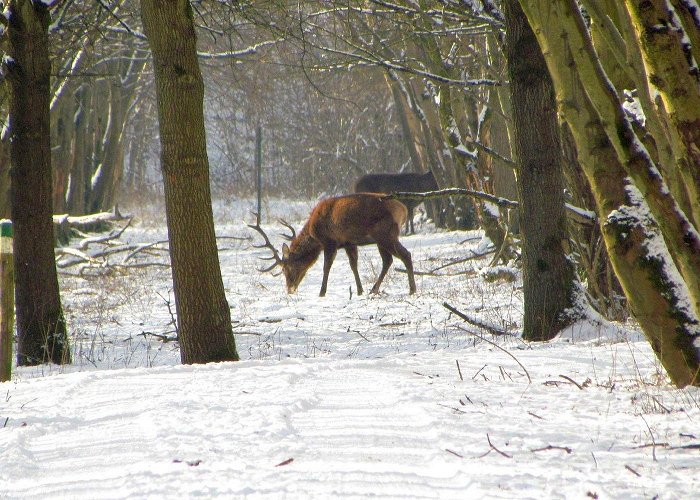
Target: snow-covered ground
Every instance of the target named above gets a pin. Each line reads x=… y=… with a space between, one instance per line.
x=386 y=396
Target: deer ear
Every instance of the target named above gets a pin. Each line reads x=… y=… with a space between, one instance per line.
x=285 y=251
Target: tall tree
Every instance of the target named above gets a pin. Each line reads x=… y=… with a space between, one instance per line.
x=203 y=315
x=653 y=247
x=548 y=277
x=41 y=326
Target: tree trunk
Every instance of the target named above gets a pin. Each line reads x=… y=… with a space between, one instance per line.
x=77 y=187
x=548 y=277
x=62 y=130
x=109 y=168
x=682 y=239
x=666 y=63
x=203 y=315
x=5 y=211
x=647 y=275
x=41 y=327
x=603 y=288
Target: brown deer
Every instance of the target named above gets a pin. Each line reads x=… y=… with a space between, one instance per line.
x=343 y=222
x=390 y=183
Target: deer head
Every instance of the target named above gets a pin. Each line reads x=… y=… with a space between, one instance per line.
x=294 y=263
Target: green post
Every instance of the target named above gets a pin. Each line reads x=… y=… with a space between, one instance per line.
x=7 y=300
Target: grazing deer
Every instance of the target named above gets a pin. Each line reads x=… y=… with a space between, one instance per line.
x=343 y=222
x=390 y=183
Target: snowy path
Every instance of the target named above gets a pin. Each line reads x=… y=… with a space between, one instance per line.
x=355 y=431
x=375 y=441
x=396 y=428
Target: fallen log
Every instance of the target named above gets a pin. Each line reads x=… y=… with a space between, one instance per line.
x=75 y=226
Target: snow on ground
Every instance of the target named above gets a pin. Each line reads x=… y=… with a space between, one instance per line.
x=384 y=396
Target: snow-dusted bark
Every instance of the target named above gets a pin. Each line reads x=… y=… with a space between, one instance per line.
x=673 y=72
x=661 y=293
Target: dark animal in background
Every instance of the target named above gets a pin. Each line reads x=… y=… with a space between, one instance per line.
x=343 y=222
x=391 y=183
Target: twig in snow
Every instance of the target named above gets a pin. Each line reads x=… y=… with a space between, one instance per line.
x=505 y=374
x=360 y=334
x=285 y=462
x=459 y=370
x=475 y=322
x=580 y=386
x=160 y=336
x=535 y=415
x=527 y=374
x=477 y=373
x=552 y=447
x=633 y=471
x=452 y=408
x=651 y=435
x=656 y=400
x=502 y=453
x=651 y=445
x=25 y=404
x=453 y=452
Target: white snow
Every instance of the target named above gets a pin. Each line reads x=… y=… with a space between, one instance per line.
x=384 y=396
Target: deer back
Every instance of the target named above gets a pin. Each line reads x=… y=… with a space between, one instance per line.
x=355 y=218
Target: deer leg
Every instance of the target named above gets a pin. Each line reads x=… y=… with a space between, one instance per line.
x=352 y=257
x=328 y=257
x=387 y=259
x=410 y=221
x=405 y=256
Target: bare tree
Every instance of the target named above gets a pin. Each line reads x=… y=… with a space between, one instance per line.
x=203 y=315
x=653 y=246
x=548 y=277
x=41 y=326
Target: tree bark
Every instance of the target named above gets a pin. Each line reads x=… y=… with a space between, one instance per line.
x=203 y=315
x=78 y=167
x=682 y=239
x=666 y=63
x=548 y=277
x=41 y=326
x=633 y=239
x=5 y=211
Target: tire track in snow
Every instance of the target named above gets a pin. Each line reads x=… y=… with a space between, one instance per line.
x=364 y=442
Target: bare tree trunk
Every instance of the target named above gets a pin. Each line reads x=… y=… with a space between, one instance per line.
x=603 y=286
x=41 y=326
x=5 y=204
x=677 y=84
x=633 y=238
x=548 y=277
x=77 y=188
x=109 y=168
x=63 y=131
x=203 y=315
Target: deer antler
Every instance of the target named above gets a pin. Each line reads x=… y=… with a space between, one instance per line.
x=288 y=237
x=267 y=244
